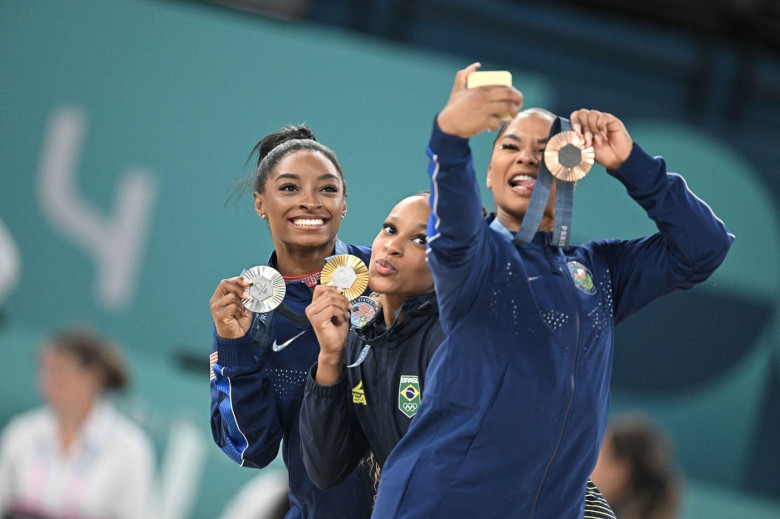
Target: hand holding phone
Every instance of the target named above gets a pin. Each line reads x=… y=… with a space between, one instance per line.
x=480 y=78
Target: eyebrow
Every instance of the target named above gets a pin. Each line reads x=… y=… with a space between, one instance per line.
x=293 y=176
x=518 y=139
x=419 y=225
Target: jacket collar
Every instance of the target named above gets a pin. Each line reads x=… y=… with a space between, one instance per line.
x=540 y=238
x=416 y=310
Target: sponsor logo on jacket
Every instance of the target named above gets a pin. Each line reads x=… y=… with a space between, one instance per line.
x=358 y=395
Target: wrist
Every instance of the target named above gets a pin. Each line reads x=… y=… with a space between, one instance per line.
x=329 y=368
x=441 y=123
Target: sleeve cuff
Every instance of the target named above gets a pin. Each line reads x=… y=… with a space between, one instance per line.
x=234 y=353
x=334 y=391
x=640 y=170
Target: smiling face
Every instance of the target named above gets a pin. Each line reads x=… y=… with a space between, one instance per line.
x=398 y=269
x=514 y=166
x=303 y=200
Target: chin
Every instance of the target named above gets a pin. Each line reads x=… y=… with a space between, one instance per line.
x=516 y=206
x=378 y=287
x=310 y=239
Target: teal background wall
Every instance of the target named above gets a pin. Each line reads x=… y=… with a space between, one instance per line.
x=124 y=126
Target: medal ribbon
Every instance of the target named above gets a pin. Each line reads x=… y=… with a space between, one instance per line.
x=563 y=202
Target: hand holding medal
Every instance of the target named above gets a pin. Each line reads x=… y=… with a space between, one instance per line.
x=606 y=133
x=350 y=275
x=346 y=272
x=264 y=295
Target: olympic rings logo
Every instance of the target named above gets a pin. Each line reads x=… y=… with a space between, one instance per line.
x=409 y=406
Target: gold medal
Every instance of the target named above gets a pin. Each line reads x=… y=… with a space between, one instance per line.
x=346 y=272
x=266 y=291
x=566 y=156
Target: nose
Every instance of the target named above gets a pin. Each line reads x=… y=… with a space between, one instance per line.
x=394 y=246
x=310 y=200
x=527 y=156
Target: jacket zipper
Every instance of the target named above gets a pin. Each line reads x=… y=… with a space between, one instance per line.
x=573 y=386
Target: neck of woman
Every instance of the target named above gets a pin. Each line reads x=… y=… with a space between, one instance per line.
x=513 y=223
x=294 y=260
x=390 y=306
x=70 y=424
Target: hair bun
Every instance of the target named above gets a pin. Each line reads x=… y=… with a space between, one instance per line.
x=276 y=138
x=298 y=132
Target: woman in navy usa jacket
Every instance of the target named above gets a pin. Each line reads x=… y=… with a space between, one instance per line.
x=516 y=397
x=368 y=405
x=256 y=392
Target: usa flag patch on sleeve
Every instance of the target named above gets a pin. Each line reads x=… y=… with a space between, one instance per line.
x=212 y=361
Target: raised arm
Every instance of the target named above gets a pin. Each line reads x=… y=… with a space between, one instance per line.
x=456 y=205
x=691 y=243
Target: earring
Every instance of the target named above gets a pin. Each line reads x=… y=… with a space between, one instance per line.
x=263 y=216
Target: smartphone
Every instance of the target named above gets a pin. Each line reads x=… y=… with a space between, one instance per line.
x=480 y=78
x=489 y=77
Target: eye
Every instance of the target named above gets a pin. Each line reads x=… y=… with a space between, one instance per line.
x=420 y=239
x=389 y=228
x=288 y=187
x=330 y=188
x=509 y=146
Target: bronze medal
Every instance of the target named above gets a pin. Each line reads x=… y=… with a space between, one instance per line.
x=566 y=156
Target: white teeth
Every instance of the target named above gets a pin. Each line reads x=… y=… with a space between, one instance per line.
x=308 y=222
x=521 y=178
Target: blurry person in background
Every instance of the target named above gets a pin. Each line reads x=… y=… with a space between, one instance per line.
x=76 y=457
x=636 y=470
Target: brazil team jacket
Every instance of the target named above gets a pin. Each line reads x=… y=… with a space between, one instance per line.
x=517 y=394
x=256 y=396
x=371 y=405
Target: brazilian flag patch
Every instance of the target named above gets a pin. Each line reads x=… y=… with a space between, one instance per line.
x=409 y=395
